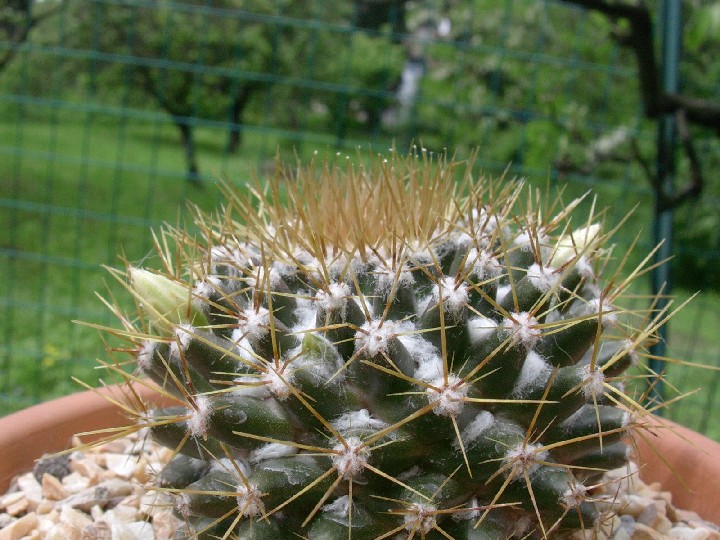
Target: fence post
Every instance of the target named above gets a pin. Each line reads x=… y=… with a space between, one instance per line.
x=671 y=35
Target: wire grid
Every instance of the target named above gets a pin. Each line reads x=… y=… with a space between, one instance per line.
x=90 y=161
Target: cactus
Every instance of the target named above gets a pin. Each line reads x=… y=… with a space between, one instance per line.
x=383 y=351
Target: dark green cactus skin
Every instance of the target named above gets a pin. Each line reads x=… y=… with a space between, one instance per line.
x=448 y=391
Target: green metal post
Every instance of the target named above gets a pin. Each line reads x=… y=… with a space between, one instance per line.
x=671 y=33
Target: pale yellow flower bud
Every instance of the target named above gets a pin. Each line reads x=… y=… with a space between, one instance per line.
x=165 y=302
x=583 y=240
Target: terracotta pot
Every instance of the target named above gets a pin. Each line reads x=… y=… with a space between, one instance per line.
x=685 y=463
x=689 y=467
x=49 y=427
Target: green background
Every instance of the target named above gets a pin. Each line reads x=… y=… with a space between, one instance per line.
x=93 y=104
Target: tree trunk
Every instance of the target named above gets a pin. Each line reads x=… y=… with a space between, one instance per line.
x=236 y=114
x=188 y=143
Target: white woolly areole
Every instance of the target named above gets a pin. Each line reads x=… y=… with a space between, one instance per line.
x=387 y=278
x=574 y=495
x=523 y=329
x=480 y=328
x=145 y=355
x=198 y=421
x=183 y=335
x=477 y=427
x=420 y=518
x=374 y=337
x=273 y=379
x=334 y=298
x=357 y=420
x=532 y=240
x=272 y=451
x=289 y=266
x=584 y=268
x=534 y=368
x=339 y=265
x=524 y=459
x=523 y=239
x=484 y=266
x=224 y=255
x=542 y=278
x=423 y=257
x=248 y=385
x=252 y=324
x=609 y=314
x=260 y=278
x=205 y=287
x=249 y=500
x=454 y=295
x=485 y=224
x=339 y=508
x=593 y=383
x=350 y=460
x=462 y=239
x=448 y=395
x=629 y=349
x=430 y=368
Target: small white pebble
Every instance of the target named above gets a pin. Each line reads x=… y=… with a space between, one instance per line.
x=19 y=528
x=74 y=518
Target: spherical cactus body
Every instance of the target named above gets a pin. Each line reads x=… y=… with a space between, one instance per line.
x=392 y=350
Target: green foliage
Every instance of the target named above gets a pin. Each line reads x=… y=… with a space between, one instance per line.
x=383 y=356
x=366 y=74
x=191 y=58
x=703 y=26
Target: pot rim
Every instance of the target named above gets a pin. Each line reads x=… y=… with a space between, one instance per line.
x=49 y=427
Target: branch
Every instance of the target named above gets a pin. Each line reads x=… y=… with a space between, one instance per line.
x=657 y=102
x=24 y=32
x=640 y=40
x=702 y=112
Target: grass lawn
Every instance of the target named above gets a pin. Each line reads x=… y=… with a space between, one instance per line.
x=74 y=194
x=693 y=337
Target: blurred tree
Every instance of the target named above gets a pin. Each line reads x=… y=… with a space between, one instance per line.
x=376 y=14
x=699 y=224
x=208 y=60
x=501 y=72
x=198 y=60
x=17 y=19
x=366 y=75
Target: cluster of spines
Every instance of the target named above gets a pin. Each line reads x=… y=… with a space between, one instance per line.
x=446 y=372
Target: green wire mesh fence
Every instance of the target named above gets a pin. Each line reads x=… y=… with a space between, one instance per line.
x=113 y=113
